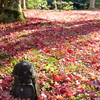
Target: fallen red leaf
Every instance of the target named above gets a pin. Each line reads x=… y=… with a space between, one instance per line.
x=56 y=77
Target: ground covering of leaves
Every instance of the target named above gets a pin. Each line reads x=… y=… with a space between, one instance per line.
x=64 y=47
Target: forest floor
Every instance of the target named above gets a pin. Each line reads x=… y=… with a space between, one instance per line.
x=64 y=46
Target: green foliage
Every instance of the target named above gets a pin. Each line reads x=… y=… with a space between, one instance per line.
x=3 y=55
x=42 y=4
x=63 y=5
x=68 y=6
x=97 y=4
x=82 y=4
x=37 y=4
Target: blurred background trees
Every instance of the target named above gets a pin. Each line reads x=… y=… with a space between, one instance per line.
x=11 y=10
x=55 y=4
x=63 y=4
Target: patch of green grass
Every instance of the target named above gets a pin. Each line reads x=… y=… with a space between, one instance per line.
x=91 y=8
x=2 y=70
x=47 y=61
x=47 y=86
x=4 y=56
x=44 y=26
x=7 y=69
x=14 y=61
x=51 y=68
x=52 y=60
x=64 y=26
x=98 y=93
x=72 y=68
x=83 y=39
x=90 y=87
x=46 y=42
x=42 y=57
x=20 y=37
x=80 y=97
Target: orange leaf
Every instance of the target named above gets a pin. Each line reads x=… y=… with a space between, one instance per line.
x=56 y=77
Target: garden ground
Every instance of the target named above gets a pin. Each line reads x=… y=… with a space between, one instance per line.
x=64 y=46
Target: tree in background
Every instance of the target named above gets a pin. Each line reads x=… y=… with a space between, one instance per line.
x=55 y=4
x=60 y=4
x=12 y=11
x=36 y=4
x=92 y=4
x=97 y=5
x=2 y=3
x=23 y=4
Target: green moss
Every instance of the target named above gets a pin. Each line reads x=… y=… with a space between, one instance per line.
x=3 y=55
x=47 y=86
x=50 y=67
x=11 y=15
x=64 y=26
x=14 y=61
x=8 y=69
x=16 y=13
x=21 y=37
x=91 y=8
x=52 y=60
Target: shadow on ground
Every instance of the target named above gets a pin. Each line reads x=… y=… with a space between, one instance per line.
x=41 y=33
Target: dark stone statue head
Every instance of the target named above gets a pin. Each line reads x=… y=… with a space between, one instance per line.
x=25 y=84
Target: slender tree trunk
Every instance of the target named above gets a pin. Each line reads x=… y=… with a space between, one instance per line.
x=1 y=6
x=92 y=4
x=2 y=3
x=55 y=4
x=12 y=12
x=26 y=4
x=23 y=4
x=60 y=5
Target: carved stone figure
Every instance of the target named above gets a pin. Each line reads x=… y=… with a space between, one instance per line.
x=25 y=84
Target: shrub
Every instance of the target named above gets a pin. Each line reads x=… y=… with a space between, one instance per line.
x=63 y=5
x=37 y=4
x=97 y=5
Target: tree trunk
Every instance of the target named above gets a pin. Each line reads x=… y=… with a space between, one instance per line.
x=59 y=4
x=23 y=4
x=12 y=12
x=2 y=3
x=92 y=4
x=26 y=4
x=55 y=4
